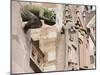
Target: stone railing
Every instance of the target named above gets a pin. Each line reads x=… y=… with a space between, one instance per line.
x=37 y=57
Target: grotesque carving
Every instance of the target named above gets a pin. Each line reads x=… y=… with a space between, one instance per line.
x=33 y=19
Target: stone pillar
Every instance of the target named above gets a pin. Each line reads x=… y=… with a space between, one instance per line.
x=60 y=49
x=77 y=51
x=68 y=23
x=60 y=52
x=72 y=50
x=67 y=27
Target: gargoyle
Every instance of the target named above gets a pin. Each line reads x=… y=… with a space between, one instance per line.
x=33 y=19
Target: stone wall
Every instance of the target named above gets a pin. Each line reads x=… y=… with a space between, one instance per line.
x=21 y=46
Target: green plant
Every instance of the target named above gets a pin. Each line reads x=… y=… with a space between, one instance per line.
x=48 y=14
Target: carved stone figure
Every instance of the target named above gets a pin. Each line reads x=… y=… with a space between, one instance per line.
x=33 y=19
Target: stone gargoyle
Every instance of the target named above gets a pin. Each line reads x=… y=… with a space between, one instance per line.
x=33 y=18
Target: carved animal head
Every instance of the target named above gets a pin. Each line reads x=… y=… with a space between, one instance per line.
x=34 y=20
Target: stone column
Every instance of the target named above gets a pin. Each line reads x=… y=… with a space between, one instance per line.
x=68 y=23
x=60 y=49
x=60 y=52
x=70 y=18
x=67 y=27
